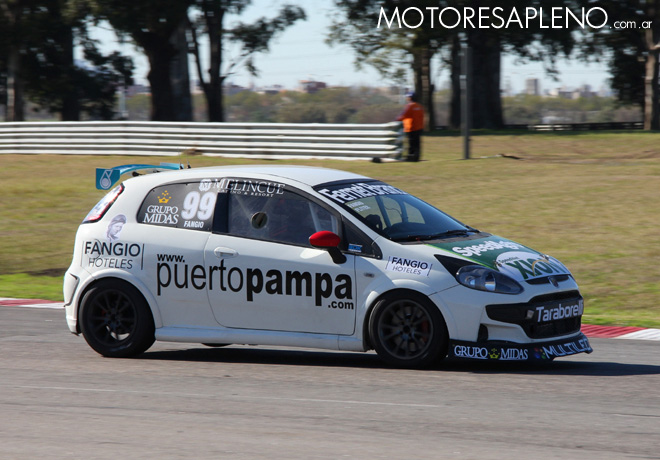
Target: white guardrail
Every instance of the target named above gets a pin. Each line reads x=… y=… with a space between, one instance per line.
x=256 y=140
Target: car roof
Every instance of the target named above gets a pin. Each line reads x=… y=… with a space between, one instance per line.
x=308 y=175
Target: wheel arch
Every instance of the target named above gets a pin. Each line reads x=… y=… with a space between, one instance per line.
x=373 y=300
x=140 y=287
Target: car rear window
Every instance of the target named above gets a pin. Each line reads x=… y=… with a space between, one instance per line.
x=185 y=205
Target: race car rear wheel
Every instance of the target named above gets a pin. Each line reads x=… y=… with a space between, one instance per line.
x=407 y=330
x=116 y=320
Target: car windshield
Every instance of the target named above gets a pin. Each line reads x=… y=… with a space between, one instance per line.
x=392 y=212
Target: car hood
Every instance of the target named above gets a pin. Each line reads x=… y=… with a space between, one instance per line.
x=513 y=259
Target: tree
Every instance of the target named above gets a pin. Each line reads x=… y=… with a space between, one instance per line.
x=652 y=78
x=38 y=38
x=53 y=80
x=250 y=38
x=152 y=24
x=429 y=38
x=391 y=50
x=634 y=54
x=11 y=19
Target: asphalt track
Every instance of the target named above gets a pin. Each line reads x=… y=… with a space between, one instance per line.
x=59 y=399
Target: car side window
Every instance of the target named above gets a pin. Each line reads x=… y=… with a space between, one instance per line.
x=285 y=217
x=186 y=205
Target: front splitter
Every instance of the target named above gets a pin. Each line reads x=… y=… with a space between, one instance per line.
x=508 y=351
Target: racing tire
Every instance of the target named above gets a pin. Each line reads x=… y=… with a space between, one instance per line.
x=115 y=320
x=408 y=331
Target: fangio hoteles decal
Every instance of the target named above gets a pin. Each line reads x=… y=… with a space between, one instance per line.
x=513 y=259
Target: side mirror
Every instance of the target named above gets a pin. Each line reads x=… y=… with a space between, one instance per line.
x=330 y=242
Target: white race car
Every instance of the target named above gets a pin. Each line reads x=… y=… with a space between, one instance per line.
x=308 y=257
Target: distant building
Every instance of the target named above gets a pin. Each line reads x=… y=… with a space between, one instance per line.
x=311 y=86
x=230 y=89
x=272 y=89
x=562 y=92
x=583 y=91
x=532 y=87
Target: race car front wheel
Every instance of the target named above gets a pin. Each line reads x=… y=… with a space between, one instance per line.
x=116 y=320
x=407 y=330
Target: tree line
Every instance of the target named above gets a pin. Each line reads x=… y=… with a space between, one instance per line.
x=629 y=40
x=38 y=38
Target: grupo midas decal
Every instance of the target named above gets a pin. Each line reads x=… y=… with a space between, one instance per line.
x=181 y=206
x=98 y=254
x=173 y=272
x=493 y=353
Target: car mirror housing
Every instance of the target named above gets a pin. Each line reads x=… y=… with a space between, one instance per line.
x=330 y=242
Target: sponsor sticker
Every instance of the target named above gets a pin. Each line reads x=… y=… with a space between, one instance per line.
x=491 y=245
x=115 y=227
x=527 y=265
x=491 y=353
x=247 y=187
x=563 y=310
x=408 y=266
x=100 y=254
x=360 y=190
x=172 y=272
x=506 y=352
x=180 y=205
x=355 y=247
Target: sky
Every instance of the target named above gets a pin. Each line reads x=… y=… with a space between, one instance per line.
x=300 y=53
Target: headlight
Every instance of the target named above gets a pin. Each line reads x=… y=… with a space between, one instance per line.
x=485 y=279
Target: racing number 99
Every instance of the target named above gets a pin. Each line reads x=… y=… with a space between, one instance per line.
x=197 y=204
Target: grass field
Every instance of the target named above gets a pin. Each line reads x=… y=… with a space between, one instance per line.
x=590 y=199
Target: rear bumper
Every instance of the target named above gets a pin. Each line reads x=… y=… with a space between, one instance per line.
x=508 y=351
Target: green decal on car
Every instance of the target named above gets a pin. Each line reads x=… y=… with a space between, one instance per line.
x=500 y=254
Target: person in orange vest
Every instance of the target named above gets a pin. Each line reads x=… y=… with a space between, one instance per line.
x=413 y=125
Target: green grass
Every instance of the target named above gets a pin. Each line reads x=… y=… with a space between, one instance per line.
x=27 y=286
x=590 y=199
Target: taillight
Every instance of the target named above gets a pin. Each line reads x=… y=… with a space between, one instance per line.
x=102 y=206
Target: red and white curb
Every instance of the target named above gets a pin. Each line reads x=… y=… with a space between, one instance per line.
x=30 y=303
x=613 y=332
x=590 y=330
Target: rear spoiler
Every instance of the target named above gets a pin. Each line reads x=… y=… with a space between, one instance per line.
x=106 y=178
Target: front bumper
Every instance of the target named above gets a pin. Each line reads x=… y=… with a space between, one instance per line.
x=508 y=351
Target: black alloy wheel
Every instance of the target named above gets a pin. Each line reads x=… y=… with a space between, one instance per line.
x=115 y=319
x=407 y=330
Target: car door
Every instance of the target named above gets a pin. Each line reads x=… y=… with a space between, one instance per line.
x=265 y=275
x=176 y=221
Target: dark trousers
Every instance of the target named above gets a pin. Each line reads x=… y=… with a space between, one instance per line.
x=414 y=145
